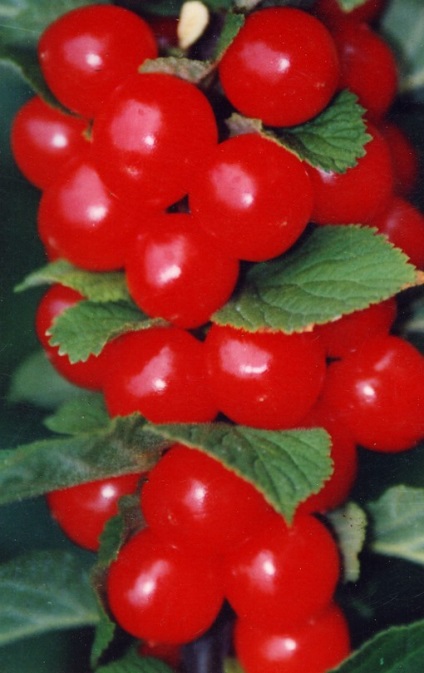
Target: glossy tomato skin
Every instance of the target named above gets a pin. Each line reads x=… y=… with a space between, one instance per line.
x=88 y=374
x=162 y=593
x=368 y=67
x=283 y=575
x=282 y=67
x=253 y=196
x=82 y=221
x=316 y=646
x=264 y=379
x=160 y=373
x=151 y=136
x=192 y=500
x=405 y=158
x=88 y=51
x=176 y=271
x=378 y=392
x=43 y=139
x=82 y=511
x=356 y=196
x=345 y=335
x=332 y=15
x=403 y=224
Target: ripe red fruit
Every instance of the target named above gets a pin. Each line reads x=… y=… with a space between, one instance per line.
x=356 y=196
x=403 y=224
x=43 y=139
x=82 y=221
x=346 y=334
x=254 y=196
x=176 y=271
x=368 y=67
x=82 y=511
x=192 y=500
x=162 y=593
x=282 y=67
x=330 y=12
x=161 y=373
x=316 y=646
x=283 y=575
x=405 y=158
x=264 y=379
x=151 y=137
x=378 y=392
x=88 y=51
x=88 y=374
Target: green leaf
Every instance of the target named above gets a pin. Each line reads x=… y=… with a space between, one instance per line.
x=232 y=24
x=44 y=591
x=286 y=466
x=100 y=287
x=350 y=526
x=86 y=327
x=349 y=5
x=397 y=650
x=85 y=414
x=160 y=7
x=335 y=139
x=398 y=523
x=37 y=382
x=103 y=636
x=335 y=271
x=186 y=68
x=134 y=663
x=24 y=63
x=403 y=26
x=232 y=666
x=126 y=446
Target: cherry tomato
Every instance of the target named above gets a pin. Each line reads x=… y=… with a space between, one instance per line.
x=82 y=511
x=176 y=271
x=283 y=575
x=162 y=593
x=160 y=373
x=43 y=139
x=330 y=12
x=403 y=224
x=405 y=158
x=191 y=499
x=88 y=51
x=282 y=67
x=151 y=137
x=264 y=379
x=316 y=646
x=254 y=196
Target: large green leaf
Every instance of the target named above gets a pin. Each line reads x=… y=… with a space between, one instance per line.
x=44 y=591
x=336 y=270
x=286 y=466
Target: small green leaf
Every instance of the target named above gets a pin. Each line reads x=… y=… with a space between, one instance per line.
x=85 y=414
x=134 y=663
x=350 y=526
x=86 y=327
x=232 y=24
x=399 y=649
x=126 y=446
x=104 y=634
x=100 y=287
x=232 y=666
x=23 y=61
x=335 y=271
x=37 y=382
x=286 y=466
x=44 y=591
x=398 y=523
x=349 y=5
x=186 y=68
x=332 y=141
x=403 y=26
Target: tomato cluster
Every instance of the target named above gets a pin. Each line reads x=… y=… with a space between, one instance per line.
x=140 y=178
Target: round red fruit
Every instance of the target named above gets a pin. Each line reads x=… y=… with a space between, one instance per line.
x=331 y=13
x=403 y=224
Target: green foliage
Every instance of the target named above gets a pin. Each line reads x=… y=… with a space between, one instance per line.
x=133 y=663
x=348 y=5
x=286 y=466
x=84 y=415
x=398 y=523
x=336 y=270
x=186 y=68
x=44 y=591
x=232 y=24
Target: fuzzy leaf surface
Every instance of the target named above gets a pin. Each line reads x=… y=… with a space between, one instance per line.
x=400 y=649
x=44 y=591
x=335 y=271
x=97 y=286
x=285 y=466
x=398 y=523
x=125 y=446
x=86 y=327
x=84 y=415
